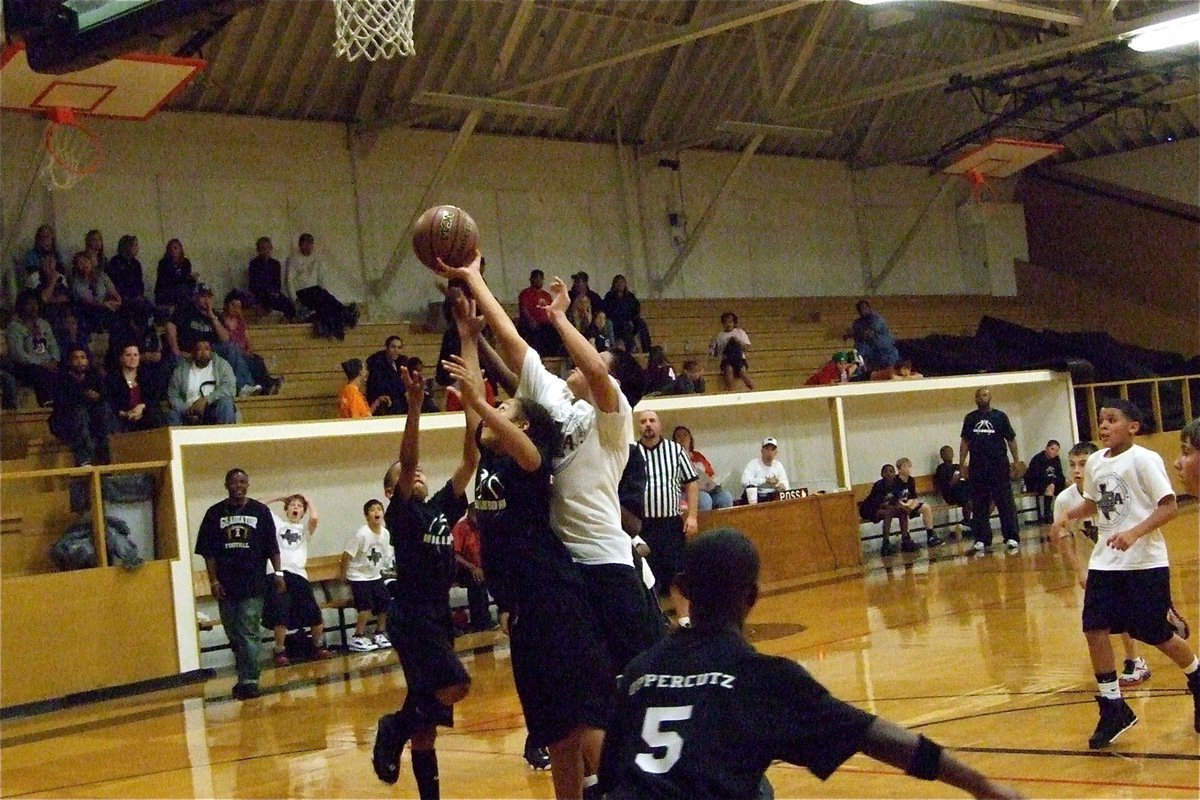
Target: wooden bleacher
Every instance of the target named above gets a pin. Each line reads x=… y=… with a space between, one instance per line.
x=792 y=338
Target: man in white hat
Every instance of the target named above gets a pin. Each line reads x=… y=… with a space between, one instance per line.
x=766 y=474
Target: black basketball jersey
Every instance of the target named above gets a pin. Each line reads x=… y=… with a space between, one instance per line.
x=519 y=547
x=701 y=714
x=423 y=545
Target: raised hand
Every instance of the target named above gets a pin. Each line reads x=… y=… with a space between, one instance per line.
x=469 y=380
x=466 y=315
x=463 y=273
x=560 y=296
x=414 y=389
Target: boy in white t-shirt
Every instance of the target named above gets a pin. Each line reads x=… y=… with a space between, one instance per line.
x=1127 y=490
x=363 y=562
x=1136 y=671
x=296 y=608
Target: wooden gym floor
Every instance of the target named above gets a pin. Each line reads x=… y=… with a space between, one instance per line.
x=982 y=653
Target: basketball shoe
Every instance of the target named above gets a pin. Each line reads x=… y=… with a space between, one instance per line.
x=1116 y=717
x=1136 y=672
x=390 y=737
x=1193 y=683
x=536 y=757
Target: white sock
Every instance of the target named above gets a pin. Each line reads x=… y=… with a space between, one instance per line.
x=1190 y=668
x=590 y=780
x=1110 y=690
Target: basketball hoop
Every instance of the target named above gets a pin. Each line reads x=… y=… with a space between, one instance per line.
x=72 y=151
x=373 y=28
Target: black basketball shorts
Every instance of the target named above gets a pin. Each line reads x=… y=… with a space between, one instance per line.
x=295 y=608
x=370 y=596
x=423 y=637
x=1129 y=601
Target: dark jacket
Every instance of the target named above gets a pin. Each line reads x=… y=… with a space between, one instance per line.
x=384 y=379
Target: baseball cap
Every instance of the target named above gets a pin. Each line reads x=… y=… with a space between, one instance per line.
x=770 y=442
x=204 y=288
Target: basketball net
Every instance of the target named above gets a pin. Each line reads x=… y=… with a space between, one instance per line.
x=72 y=151
x=373 y=29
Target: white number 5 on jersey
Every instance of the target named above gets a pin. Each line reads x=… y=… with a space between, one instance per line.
x=655 y=736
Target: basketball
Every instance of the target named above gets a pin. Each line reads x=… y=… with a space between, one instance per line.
x=445 y=232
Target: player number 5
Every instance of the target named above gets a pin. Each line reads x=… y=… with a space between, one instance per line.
x=655 y=736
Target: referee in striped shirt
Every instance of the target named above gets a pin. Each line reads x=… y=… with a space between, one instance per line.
x=668 y=471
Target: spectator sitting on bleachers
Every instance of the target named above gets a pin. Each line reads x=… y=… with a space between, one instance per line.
x=1044 y=477
x=883 y=505
x=351 y=402
x=428 y=404
x=765 y=473
x=174 y=282
x=202 y=389
x=625 y=312
x=383 y=376
x=304 y=281
x=234 y=320
x=131 y=395
x=660 y=374
x=872 y=338
x=905 y=371
x=730 y=346
x=600 y=333
x=950 y=484
x=155 y=371
x=70 y=333
x=264 y=278
x=580 y=313
x=839 y=369
x=911 y=502
x=54 y=289
x=93 y=245
x=195 y=319
x=532 y=323
x=580 y=288
x=468 y=558
x=33 y=350
x=711 y=494
x=690 y=380
x=125 y=272
x=33 y=271
x=81 y=417
x=96 y=299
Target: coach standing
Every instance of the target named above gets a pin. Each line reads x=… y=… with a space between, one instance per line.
x=985 y=433
x=237 y=539
x=669 y=470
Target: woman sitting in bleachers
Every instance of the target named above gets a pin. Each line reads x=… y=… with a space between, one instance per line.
x=134 y=400
x=174 y=283
x=96 y=299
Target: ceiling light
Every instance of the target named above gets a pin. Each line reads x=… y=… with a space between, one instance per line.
x=1176 y=32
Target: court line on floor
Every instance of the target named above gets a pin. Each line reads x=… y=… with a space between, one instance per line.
x=85 y=727
x=1019 y=779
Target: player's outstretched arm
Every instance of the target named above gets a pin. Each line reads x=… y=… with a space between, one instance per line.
x=513 y=440
x=581 y=351
x=510 y=345
x=314 y=517
x=890 y=743
x=410 y=442
x=470 y=328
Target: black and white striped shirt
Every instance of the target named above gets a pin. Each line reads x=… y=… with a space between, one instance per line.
x=668 y=469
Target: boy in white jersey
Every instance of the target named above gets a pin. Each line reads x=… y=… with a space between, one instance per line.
x=1136 y=671
x=367 y=555
x=1127 y=491
x=296 y=608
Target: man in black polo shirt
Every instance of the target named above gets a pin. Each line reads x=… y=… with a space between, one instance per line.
x=669 y=471
x=237 y=538
x=702 y=715
x=419 y=622
x=986 y=434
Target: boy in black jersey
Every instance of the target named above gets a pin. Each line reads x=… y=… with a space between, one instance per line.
x=420 y=625
x=702 y=714
x=560 y=669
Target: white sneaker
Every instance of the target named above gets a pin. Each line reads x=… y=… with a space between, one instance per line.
x=1012 y=544
x=362 y=644
x=381 y=640
x=978 y=546
x=249 y=391
x=1135 y=672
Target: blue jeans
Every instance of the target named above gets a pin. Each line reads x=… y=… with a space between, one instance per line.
x=221 y=412
x=717 y=498
x=241 y=620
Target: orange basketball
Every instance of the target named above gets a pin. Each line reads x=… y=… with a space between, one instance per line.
x=445 y=232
